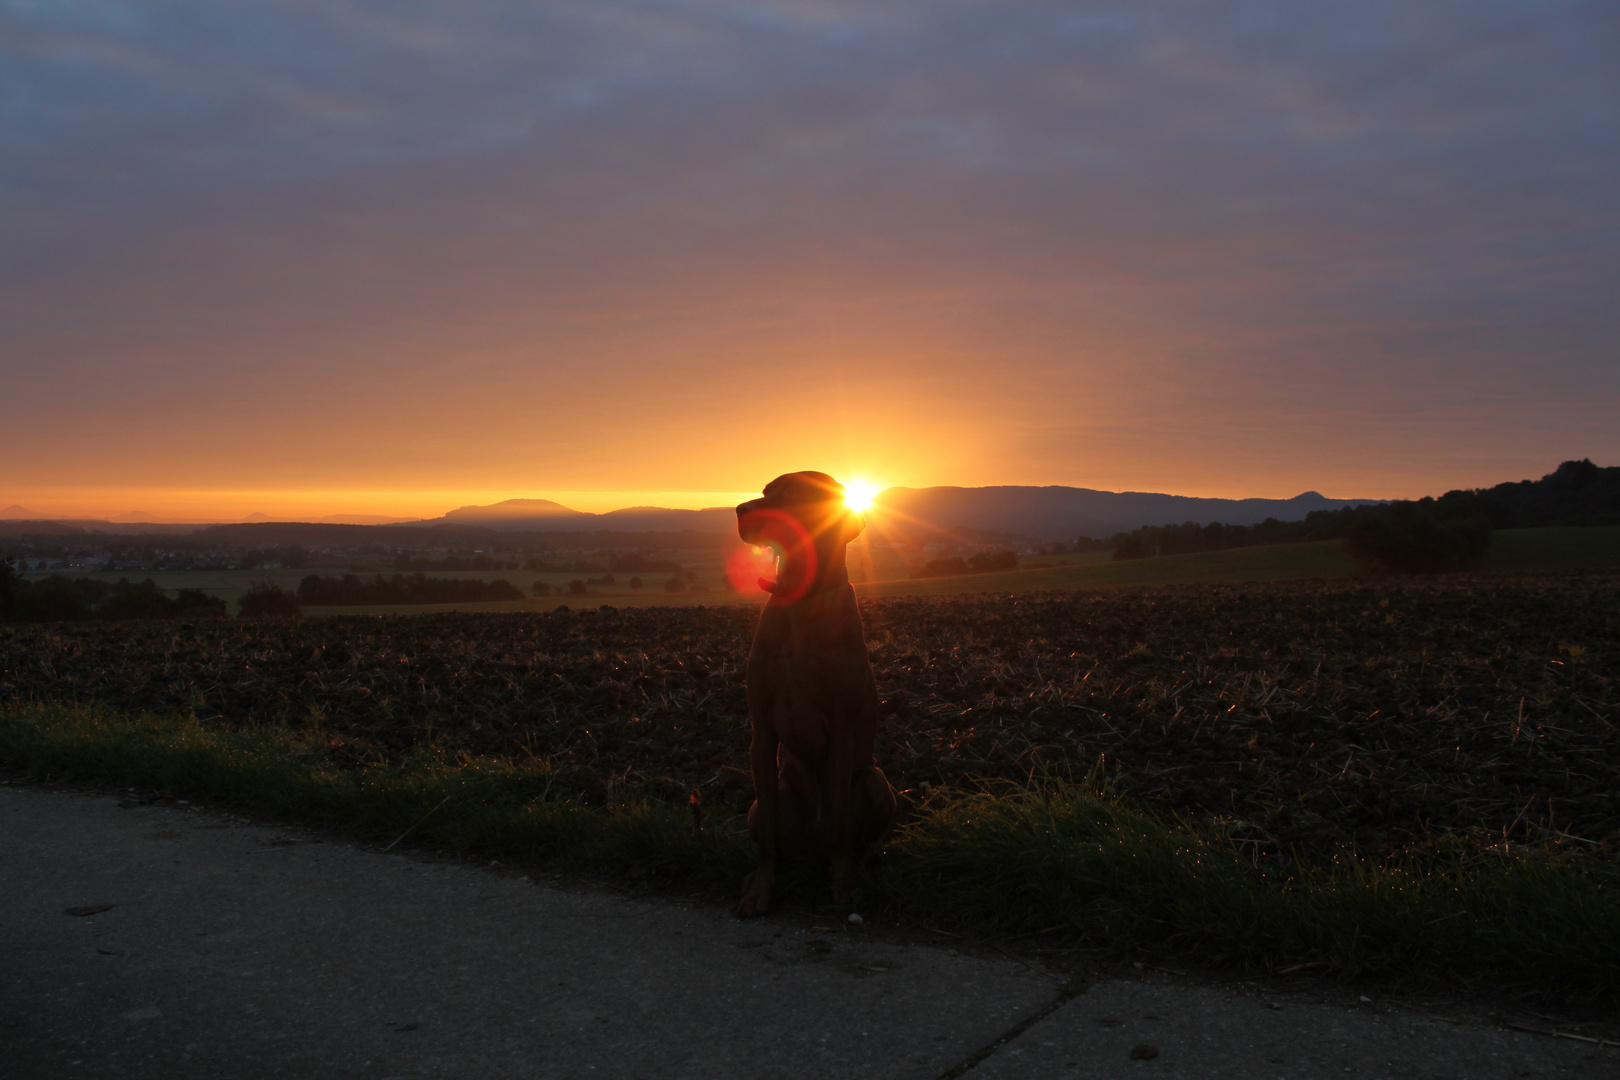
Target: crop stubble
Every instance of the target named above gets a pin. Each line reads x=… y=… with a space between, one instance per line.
x=1296 y=718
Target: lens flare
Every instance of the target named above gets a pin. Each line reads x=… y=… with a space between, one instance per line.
x=858 y=495
x=746 y=566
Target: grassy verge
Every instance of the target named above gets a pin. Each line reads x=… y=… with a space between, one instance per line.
x=1016 y=860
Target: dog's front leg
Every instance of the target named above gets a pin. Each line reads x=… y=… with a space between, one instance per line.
x=762 y=821
x=840 y=766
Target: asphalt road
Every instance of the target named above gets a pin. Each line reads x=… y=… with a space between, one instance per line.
x=148 y=942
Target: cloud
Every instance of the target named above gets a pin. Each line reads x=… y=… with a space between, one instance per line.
x=1197 y=217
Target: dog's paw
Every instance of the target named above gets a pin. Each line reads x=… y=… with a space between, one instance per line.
x=842 y=893
x=756 y=898
x=754 y=904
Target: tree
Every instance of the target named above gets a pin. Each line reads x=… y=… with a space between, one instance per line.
x=265 y=599
x=635 y=583
x=540 y=588
x=126 y=601
x=1411 y=538
x=1133 y=546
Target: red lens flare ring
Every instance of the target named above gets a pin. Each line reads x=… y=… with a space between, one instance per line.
x=798 y=566
x=747 y=567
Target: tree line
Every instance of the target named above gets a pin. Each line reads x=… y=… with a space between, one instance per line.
x=316 y=590
x=617 y=563
x=1402 y=536
x=1452 y=532
x=59 y=598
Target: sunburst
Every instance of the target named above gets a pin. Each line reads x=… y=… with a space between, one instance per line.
x=858 y=495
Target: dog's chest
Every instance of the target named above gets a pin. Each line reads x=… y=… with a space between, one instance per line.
x=807 y=680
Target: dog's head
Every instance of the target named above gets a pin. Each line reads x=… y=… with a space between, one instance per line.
x=803 y=516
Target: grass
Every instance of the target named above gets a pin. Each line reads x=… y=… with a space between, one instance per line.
x=1278 y=562
x=1512 y=551
x=1595 y=547
x=230 y=585
x=1004 y=859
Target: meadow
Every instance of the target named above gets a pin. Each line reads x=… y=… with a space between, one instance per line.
x=1513 y=551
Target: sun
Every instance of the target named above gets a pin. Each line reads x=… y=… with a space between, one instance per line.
x=858 y=495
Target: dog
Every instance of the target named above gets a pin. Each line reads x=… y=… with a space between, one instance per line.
x=812 y=701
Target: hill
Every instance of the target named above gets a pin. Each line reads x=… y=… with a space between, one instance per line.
x=1057 y=513
x=914 y=515
x=1577 y=493
x=543 y=515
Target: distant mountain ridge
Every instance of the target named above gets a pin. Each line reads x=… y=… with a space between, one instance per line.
x=1576 y=493
x=914 y=514
x=541 y=515
x=1060 y=513
x=908 y=515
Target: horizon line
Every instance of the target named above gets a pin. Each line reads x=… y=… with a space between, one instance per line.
x=341 y=506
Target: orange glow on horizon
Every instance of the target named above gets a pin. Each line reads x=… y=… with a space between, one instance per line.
x=183 y=506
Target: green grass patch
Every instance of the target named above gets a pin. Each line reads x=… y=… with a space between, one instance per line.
x=1512 y=551
x=1005 y=860
x=1110 y=875
x=472 y=805
x=1270 y=562
x=1594 y=547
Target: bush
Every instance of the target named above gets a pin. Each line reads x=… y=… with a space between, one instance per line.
x=54 y=598
x=985 y=561
x=126 y=601
x=540 y=588
x=57 y=598
x=196 y=604
x=264 y=599
x=1408 y=538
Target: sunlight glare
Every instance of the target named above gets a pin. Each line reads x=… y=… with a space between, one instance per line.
x=858 y=495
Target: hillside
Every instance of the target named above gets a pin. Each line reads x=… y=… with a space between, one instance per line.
x=1057 y=513
x=915 y=515
x=543 y=515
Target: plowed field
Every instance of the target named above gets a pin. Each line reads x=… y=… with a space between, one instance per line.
x=1299 y=717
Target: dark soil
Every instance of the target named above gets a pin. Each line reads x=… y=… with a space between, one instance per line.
x=1394 y=716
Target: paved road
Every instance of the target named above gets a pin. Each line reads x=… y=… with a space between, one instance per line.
x=227 y=951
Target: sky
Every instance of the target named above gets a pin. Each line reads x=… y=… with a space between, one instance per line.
x=309 y=258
